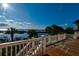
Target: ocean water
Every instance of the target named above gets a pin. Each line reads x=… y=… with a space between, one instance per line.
x=19 y=36
x=23 y=36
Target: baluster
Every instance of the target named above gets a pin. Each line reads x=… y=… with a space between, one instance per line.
x=58 y=36
x=74 y=36
x=49 y=39
x=0 y=51
x=44 y=46
x=19 y=47
x=15 y=49
x=23 y=50
x=33 y=43
x=26 y=50
x=11 y=50
x=54 y=37
x=64 y=36
x=6 y=51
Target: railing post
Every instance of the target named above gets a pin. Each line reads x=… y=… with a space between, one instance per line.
x=75 y=35
x=49 y=39
x=11 y=51
x=23 y=51
x=0 y=51
x=15 y=50
x=33 y=43
x=6 y=51
x=64 y=36
x=43 y=45
x=58 y=37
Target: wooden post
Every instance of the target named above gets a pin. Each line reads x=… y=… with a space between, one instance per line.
x=26 y=50
x=11 y=51
x=75 y=35
x=49 y=39
x=0 y=51
x=55 y=37
x=6 y=51
x=15 y=50
x=33 y=43
x=64 y=36
x=43 y=45
x=59 y=37
x=23 y=51
x=19 y=47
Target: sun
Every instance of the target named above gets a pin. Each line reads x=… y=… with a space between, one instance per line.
x=5 y=6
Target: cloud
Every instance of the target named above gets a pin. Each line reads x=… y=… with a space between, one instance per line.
x=2 y=16
x=29 y=23
x=3 y=25
x=19 y=25
x=9 y=20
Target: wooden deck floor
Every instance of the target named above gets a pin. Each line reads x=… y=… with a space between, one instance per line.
x=56 y=52
x=73 y=46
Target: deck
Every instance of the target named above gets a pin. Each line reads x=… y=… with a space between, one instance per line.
x=73 y=49
x=56 y=45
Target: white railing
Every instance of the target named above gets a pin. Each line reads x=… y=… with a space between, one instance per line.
x=30 y=46
x=12 y=48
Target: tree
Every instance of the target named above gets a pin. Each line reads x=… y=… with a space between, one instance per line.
x=69 y=30
x=49 y=30
x=77 y=23
x=11 y=31
x=57 y=29
x=54 y=29
x=32 y=33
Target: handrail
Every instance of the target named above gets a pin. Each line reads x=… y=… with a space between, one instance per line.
x=2 y=45
x=58 y=38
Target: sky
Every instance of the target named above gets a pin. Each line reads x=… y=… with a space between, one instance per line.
x=40 y=15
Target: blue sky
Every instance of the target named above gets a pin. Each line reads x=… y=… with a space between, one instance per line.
x=40 y=15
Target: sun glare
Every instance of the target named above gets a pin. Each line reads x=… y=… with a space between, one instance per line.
x=5 y=5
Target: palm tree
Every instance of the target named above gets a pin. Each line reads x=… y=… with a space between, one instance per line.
x=32 y=33
x=11 y=31
x=77 y=23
